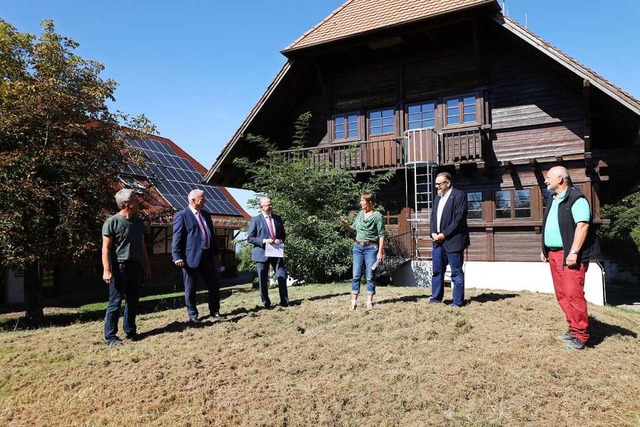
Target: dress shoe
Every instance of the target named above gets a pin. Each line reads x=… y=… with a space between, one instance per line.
x=195 y=321
x=217 y=315
x=284 y=304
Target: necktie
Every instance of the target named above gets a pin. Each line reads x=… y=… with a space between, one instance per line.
x=204 y=230
x=272 y=230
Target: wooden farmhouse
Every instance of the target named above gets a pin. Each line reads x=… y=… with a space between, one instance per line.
x=423 y=86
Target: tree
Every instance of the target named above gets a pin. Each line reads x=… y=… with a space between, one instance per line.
x=310 y=197
x=625 y=221
x=60 y=150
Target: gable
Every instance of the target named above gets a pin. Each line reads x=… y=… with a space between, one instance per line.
x=358 y=17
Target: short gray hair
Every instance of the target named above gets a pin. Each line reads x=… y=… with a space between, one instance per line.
x=194 y=193
x=124 y=195
x=264 y=199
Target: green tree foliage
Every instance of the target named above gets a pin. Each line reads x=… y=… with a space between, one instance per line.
x=309 y=197
x=625 y=221
x=60 y=148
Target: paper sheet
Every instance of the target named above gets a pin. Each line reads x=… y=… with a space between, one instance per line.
x=275 y=251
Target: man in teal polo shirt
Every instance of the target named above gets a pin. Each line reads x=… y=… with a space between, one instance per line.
x=568 y=245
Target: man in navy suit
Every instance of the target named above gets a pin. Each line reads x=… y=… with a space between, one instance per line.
x=194 y=249
x=450 y=236
x=268 y=228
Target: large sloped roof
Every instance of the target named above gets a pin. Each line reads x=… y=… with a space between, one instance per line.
x=569 y=62
x=361 y=16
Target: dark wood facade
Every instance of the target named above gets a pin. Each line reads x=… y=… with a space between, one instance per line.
x=500 y=109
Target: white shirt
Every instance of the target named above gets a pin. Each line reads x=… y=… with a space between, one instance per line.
x=441 y=204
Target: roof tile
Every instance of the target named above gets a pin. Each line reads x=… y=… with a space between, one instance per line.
x=359 y=16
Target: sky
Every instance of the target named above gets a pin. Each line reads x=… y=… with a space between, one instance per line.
x=195 y=68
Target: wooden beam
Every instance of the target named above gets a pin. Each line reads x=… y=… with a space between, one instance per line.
x=586 y=114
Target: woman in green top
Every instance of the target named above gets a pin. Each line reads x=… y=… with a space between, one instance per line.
x=368 y=248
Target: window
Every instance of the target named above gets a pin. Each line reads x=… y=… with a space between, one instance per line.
x=460 y=110
x=475 y=205
x=513 y=203
x=421 y=115
x=345 y=126
x=381 y=121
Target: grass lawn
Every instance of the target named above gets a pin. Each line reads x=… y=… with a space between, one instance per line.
x=495 y=362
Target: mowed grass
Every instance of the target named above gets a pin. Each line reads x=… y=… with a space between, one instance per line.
x=495 y=362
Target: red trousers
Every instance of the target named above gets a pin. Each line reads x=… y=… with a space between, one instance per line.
x=569 y=286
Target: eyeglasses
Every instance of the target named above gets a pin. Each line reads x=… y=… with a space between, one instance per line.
x=438 y=184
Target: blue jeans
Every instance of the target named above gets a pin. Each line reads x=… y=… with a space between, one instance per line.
x=125 y=283
x=364 y=256
x=442 y=258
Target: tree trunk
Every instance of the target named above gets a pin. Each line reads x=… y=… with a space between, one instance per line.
x=34 y=310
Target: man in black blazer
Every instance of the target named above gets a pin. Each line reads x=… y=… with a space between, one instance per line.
x=194 y=249
x=264 y=228
x=450 y=236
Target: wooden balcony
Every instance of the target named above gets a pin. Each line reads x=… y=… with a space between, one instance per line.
x=462 y=146
x=446 y=147
x=420 y=145
x=358 y=156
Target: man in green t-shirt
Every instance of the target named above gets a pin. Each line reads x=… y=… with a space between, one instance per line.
x=568 y=243
x=124 y=260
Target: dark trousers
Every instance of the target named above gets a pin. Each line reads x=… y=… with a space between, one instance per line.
x=125 y=283
x=263 y=279
x=442 y=258
x=209 y=273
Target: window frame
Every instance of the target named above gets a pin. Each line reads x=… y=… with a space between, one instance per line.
x=382 y=125
x=461 y=115
x=512 y=205
x=422 y=103
x=345 y=118
x=481 y=210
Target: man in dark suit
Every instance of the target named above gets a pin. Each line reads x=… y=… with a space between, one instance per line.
x=450 y=236
x=194 y=249
x=267 y=228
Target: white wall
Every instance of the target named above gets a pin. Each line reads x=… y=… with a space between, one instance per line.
x=508 y=276
x=15 y=286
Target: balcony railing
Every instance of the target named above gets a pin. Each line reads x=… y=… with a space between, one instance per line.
x=419 y=145
x=445 y=147
x=356 y=156
x=461 y=146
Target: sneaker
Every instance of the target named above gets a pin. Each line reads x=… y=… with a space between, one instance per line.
x=567 y=336
x=115 y=343
x=354 y=304
x=133 y=336
x=574 y=344
x=369 y=305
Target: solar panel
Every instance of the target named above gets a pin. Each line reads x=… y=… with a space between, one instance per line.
x=174 y=177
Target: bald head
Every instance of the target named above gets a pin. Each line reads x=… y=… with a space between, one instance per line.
x=557 y=179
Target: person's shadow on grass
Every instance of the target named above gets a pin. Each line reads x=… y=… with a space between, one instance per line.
x=598 y=331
